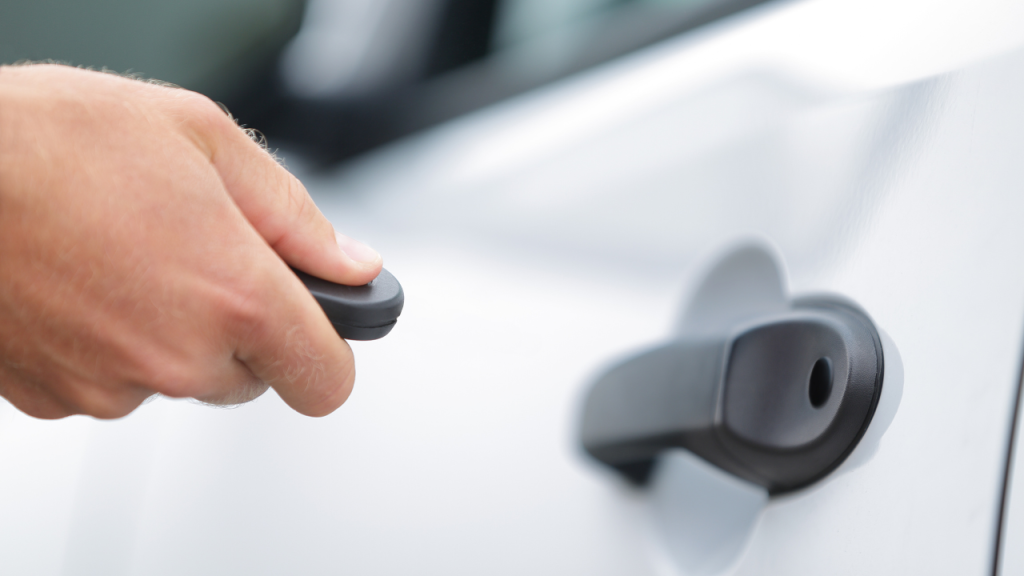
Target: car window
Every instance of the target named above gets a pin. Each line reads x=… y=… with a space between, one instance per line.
x=521 y=20
x=452 y=57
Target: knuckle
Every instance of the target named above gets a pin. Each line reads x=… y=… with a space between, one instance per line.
x=202 y=108
x=101 y=402
x=162 y=370
x=245 y=311
x=203 y=118
x=297 y=215
x=298 y=199
x=43 y=410
x=39 y=406
x=172 y=380
x=238 y=393
x=114 y=407
x=29 y=398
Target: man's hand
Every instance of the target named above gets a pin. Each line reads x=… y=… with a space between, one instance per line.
x=144 y=247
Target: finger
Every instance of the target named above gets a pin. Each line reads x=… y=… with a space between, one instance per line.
x=99 y=400
x=293 y=348
x=31 y=400
x=281 y=210
x=235 y=385
x=207 y=373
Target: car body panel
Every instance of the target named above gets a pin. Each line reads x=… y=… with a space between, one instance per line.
x=528 y=269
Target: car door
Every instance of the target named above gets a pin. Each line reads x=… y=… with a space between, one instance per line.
x=540 y=243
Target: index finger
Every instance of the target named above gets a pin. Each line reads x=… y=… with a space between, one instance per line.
x=281 y=210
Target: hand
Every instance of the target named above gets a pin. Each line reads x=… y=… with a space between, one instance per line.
x=144 y=247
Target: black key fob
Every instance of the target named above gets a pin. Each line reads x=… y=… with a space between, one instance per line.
x=365 y=312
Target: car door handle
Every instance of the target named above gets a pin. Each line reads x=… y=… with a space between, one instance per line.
x=780 y=400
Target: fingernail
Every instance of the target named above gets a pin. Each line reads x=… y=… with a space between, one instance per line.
x=356 y=250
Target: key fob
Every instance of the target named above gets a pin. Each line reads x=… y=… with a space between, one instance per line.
x=365 y=312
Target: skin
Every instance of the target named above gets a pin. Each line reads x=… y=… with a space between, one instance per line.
x=145 y=241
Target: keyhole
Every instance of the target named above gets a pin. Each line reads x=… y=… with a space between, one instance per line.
x=821 y=382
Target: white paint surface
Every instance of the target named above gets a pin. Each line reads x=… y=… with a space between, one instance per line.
x=457 y=453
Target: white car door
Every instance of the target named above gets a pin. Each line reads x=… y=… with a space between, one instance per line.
x=543 y=240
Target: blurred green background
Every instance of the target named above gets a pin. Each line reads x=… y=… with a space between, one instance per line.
x=332 y=79
x=211 y=46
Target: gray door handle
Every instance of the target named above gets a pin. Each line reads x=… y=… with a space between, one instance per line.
x=780 y=400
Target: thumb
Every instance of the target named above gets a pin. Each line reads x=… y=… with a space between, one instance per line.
x=281 y=210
